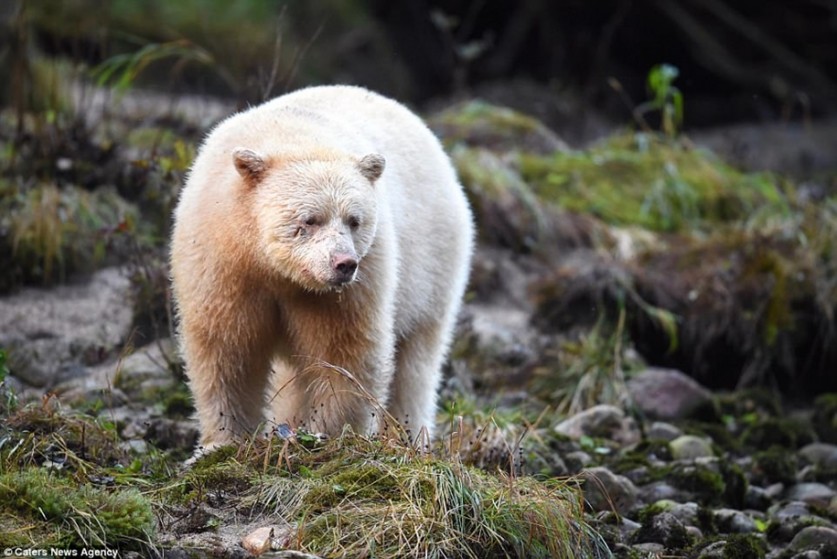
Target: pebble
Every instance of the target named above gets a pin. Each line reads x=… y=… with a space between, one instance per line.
x=690 y=447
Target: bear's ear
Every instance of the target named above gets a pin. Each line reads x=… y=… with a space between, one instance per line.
x=249 y=164
x=371 y=166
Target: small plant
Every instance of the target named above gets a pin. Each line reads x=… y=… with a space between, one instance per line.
x=593 y=370
x=122 y=70
x=666 y=98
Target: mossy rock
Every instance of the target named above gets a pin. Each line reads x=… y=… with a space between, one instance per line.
x=744 y=546
x=507 y=211
x=480 y=124
x=705 y=485
x=774 y=465
x=783 y=432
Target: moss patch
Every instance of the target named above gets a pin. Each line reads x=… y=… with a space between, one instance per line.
x=655 y=183
x=74 y=516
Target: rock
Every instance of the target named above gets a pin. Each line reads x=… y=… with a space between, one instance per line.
x=53 y=333
x=648 y=549
x=664 y=528
x=291 y=554
x=687 y=513
x=819 y=537
x=715 y=550
x=604 y=490
x=757 y=498
x=732 y=521
x=477 y=123
x=823 y=455
x=812 y=493
x=660 y=491
x=790 y=518
x=168 y=434
x=258 y=541
x=690 y=447
x=663 y=431
x=605 y=421
x=577 y=460
x=668 y=394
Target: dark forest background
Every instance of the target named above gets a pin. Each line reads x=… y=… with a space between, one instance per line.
x=739 y=61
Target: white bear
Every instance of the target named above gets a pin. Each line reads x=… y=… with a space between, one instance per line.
x=320 y=252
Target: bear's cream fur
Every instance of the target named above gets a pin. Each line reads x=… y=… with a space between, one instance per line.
x=321 y=248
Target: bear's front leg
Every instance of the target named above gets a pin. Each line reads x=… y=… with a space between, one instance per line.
x=229 y=389
x=343 y=372
x=228 y=364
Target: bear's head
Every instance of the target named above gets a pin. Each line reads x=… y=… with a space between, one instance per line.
x=316 y=213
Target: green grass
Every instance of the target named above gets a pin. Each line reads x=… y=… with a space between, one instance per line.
x=65 y=480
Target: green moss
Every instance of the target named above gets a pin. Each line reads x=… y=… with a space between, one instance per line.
x=744 y=546
x=783 y=432
x=477 y=123
x=216 y=472
x=735 y=484
x=84 y=515
x=705 y=485
x=774 y=465
x=743 y=407
x=718 y=433
x=178 y=403
x=508 y=212
x=648 y=512
x=652 y=182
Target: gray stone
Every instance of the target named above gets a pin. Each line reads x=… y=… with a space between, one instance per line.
x=605 y=491
x=757 y=498
x=690 y=447
x=667 y=394
x=812 y=493
x=715 y=550
x=687 y=513
x=663 y=431
x=660 y=491
x=790 y=518
x=732 y=521
x=648 y=549
x=820 y=454
x=664 y=528
x=820 y=537
x=605 y=421
x=577 y=460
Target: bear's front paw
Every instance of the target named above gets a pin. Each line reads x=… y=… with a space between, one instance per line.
x=200 y=452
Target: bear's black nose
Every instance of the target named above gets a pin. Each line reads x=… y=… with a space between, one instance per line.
x=344 y=267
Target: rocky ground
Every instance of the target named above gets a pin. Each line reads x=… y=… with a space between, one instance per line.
x=570 y=363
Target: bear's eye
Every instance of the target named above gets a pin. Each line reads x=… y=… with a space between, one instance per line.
x=354 y=222
x=310 y=221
